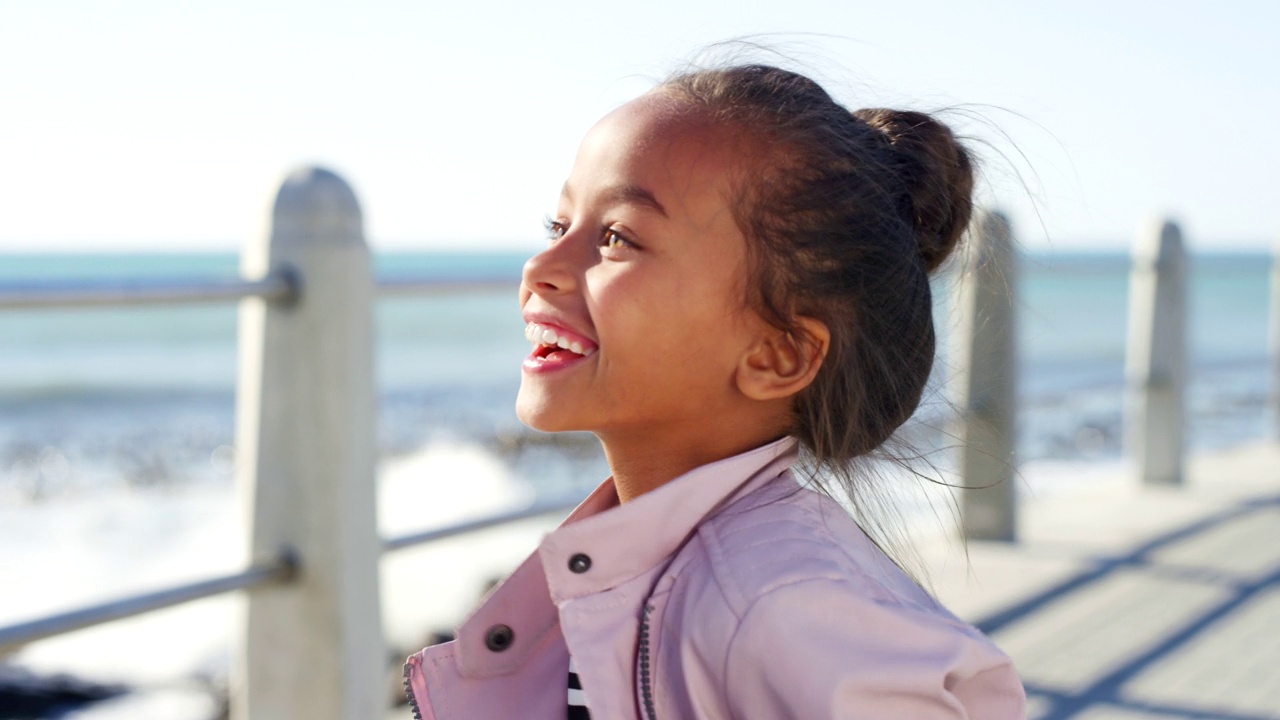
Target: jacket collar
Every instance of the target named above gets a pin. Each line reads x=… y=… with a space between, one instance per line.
x=624 y=541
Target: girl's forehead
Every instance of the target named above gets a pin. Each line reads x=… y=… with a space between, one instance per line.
x=657 y=115
x=653 y=147
x=659 y=133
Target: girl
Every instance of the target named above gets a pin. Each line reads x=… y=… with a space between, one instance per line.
x=737 y=272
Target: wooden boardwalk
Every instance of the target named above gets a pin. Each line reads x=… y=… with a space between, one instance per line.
x=1130 y=603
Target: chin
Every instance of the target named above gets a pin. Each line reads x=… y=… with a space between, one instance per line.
x=543 y=423
x=540 y=414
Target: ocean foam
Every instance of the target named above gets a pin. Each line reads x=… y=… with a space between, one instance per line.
x=95 y=546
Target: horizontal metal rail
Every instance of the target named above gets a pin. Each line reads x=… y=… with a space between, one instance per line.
x=280 y=285
x=407 y=286
x=279 y=571
x=536 y=509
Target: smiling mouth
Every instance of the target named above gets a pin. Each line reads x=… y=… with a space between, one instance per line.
x=552 y=343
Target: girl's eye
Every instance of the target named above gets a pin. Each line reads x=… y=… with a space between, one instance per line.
x=614 y=241
x=555 y=228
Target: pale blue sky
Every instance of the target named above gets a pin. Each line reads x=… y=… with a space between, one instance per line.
x=164 y=125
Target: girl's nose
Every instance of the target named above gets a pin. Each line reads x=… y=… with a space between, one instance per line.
x=550 y=271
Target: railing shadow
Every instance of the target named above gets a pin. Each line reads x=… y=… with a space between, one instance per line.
x=1108 y=689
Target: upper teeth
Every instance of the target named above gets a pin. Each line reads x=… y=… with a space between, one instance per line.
x=547 y=336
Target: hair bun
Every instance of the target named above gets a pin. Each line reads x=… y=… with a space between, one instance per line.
x=938 y=175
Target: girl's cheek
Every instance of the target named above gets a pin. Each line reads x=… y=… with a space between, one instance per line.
x=608 y=285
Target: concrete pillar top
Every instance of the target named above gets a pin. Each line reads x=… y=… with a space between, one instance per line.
x=316 y=206
x=1159 y=239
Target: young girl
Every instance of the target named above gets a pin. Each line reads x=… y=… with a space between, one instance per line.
x=738 y=272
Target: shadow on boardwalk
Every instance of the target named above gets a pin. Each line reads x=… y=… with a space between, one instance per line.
x=1180 y=624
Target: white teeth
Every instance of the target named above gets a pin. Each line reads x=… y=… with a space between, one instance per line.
x=542 y=335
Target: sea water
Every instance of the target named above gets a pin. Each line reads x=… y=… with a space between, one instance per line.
x=138 y=397
x=146 y=395
x=117 y=437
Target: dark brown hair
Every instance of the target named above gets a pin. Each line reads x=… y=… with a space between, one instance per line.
x=846 y=215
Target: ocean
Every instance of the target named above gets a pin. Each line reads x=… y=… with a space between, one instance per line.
x=116 y=437
x=91 y=398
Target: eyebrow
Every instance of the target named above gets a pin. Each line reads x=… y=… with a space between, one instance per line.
x=628 y=194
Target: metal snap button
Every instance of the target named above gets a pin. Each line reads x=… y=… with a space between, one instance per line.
x=499 y=638
x=580 y=563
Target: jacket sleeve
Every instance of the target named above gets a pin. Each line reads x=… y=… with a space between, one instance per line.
x=819 y=649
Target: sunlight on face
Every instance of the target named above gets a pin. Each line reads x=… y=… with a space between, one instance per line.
x=642 y=284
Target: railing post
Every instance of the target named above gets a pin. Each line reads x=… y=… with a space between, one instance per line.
x=305 y=464
x=1156 y=359
x=1274 y=350
x=984 y=381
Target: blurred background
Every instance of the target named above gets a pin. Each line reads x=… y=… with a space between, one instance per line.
x=144 y=139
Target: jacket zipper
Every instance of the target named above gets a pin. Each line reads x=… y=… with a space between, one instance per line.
x=408 y=691
x=646 y=680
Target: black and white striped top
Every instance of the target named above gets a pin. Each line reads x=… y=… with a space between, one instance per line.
x=577 y=701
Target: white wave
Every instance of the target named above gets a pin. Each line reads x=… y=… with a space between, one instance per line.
x=86 y=548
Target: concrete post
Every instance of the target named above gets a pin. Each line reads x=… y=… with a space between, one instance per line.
x=1275 y=343
x=305 y=464
x=1156 y=360
x=984 y=381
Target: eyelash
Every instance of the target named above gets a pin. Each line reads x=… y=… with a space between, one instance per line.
x=556 y=230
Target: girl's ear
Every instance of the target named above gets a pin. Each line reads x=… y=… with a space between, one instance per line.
x=782 y=364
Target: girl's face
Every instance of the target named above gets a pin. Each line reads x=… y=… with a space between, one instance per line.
x=642 y=285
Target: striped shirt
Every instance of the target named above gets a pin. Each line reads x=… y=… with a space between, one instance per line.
x=577 y=701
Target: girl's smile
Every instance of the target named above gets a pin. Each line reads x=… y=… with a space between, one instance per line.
x=554 y=347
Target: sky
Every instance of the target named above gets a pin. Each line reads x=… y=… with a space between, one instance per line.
x=133 y=125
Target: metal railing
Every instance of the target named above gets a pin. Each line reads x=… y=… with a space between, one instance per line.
x=279 y=286
x=419 y=287
x=278 y=571
x=538 y=508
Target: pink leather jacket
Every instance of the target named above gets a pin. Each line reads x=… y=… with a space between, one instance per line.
x=730 y=592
